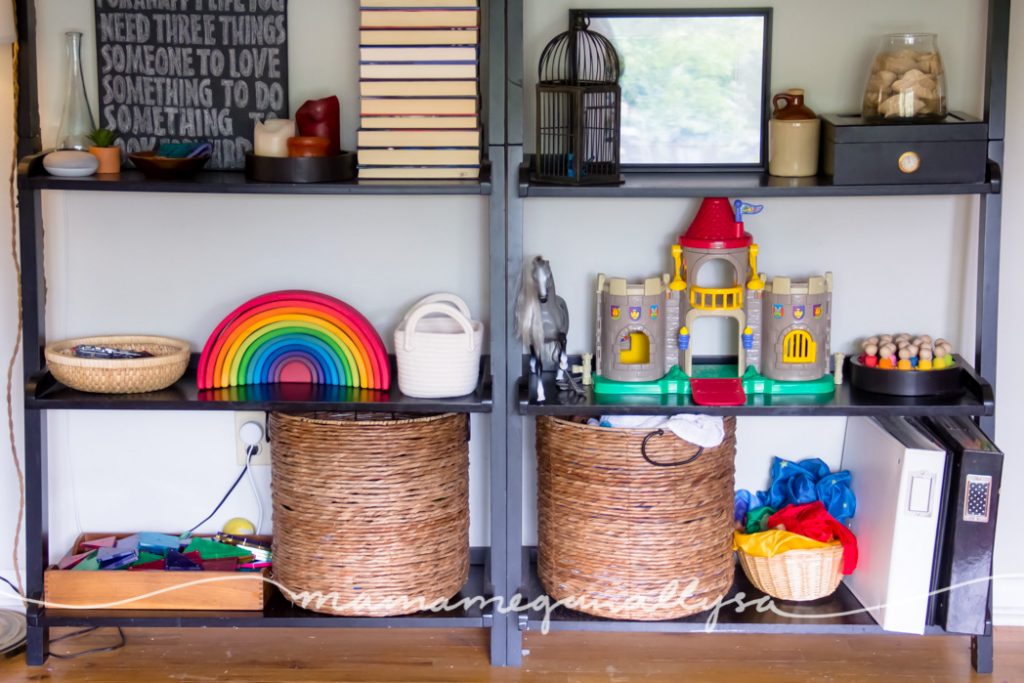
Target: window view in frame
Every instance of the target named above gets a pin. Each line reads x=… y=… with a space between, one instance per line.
x=693 y=85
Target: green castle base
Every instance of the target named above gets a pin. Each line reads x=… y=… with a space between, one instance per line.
x=677 y=382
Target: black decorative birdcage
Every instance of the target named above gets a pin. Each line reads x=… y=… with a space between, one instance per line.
x=578 y=109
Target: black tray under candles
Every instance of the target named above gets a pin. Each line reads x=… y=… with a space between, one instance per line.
x=330 y=169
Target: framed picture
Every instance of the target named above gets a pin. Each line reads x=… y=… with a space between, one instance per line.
x=694 y=86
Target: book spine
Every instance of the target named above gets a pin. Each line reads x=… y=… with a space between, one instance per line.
x=419 y=18
x=415 y=37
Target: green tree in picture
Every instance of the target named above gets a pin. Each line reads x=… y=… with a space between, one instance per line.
x=691 y=87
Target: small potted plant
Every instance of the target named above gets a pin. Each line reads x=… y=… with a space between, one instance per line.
x=105 y=149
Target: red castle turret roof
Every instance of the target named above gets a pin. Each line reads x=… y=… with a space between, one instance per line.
x=715 y=227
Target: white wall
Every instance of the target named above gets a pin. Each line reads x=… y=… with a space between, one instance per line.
x=134 y=263
x=8 y=318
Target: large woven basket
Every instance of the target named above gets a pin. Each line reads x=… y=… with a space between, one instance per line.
x=371 y=511
x=626 y=514
x=128 y=376
x=796 y=574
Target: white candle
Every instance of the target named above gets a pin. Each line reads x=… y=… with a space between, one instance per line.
x=272 y=137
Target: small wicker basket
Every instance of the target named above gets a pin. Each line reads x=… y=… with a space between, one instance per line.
x=119 y=376
x=796 y=574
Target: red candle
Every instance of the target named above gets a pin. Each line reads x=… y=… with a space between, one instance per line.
x=321 y=119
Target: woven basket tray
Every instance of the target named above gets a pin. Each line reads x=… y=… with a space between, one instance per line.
x=370 y=510
x=119 y=376
x=615 y=530
x=797 y=574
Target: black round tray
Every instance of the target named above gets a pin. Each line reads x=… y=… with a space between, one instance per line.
x=945 y=382
x=332 y=169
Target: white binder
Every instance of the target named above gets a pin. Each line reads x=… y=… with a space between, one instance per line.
x=897 y=476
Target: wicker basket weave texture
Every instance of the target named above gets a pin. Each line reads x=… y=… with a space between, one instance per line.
x=371 y=508
x=615 y=530
x=119 y=376
x=796 y=574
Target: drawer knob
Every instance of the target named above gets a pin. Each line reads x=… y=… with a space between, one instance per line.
x=909 y=162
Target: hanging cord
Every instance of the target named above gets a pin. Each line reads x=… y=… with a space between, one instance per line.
x=96 y=650
x=255 y=491
x=19 y=473
x=13 y=587
x=251 y=453
x=75 y=634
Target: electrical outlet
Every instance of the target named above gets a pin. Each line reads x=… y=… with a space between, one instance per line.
x=260 y=418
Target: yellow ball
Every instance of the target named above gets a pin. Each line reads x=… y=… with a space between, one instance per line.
x=239 y=526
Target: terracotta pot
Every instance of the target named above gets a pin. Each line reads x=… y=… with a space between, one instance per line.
x=308 y=146
x=109 y=158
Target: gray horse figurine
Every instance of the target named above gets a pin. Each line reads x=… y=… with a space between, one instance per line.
x=542 y=322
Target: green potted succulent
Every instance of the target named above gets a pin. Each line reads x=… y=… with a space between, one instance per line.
x=105 y=149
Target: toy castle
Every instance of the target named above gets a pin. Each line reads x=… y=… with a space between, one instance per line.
x=644 y=343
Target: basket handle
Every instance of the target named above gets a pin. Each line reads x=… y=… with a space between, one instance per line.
x=660 y=432
x=440 y=309
x=441 y=297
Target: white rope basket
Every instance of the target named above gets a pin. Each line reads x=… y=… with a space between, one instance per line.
x=438 y=348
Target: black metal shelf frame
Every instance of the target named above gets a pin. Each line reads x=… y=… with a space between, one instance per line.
x=814 y=617
x=504 y=570
x=33 y=177
x=978 y=400
x=519 y=189
x=43 y=393
x=746 y=184
x=280 y=613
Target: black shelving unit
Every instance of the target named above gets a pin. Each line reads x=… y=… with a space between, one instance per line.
x=977 y=402
x=43 y=393
x=279 y=613
x=814 y=617
x=505 y=568
x=746 y=184
x=33 y=177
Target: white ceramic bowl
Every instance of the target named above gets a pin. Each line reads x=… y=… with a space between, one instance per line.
x=70 y=164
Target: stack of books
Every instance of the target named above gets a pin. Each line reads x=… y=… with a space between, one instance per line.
x=419 y=89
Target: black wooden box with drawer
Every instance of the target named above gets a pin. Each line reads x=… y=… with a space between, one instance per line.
x=857 y=153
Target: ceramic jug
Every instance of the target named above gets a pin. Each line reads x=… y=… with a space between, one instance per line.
x=794 y=132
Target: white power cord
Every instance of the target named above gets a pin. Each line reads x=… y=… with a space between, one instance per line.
x=255 y=491
x=251 y=434
x=238 y=480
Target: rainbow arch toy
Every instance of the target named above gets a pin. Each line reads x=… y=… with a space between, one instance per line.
x=294 y=336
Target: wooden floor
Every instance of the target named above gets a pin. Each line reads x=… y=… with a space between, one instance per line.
x=461 y=655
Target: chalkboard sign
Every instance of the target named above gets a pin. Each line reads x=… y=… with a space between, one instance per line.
x=191 y=70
